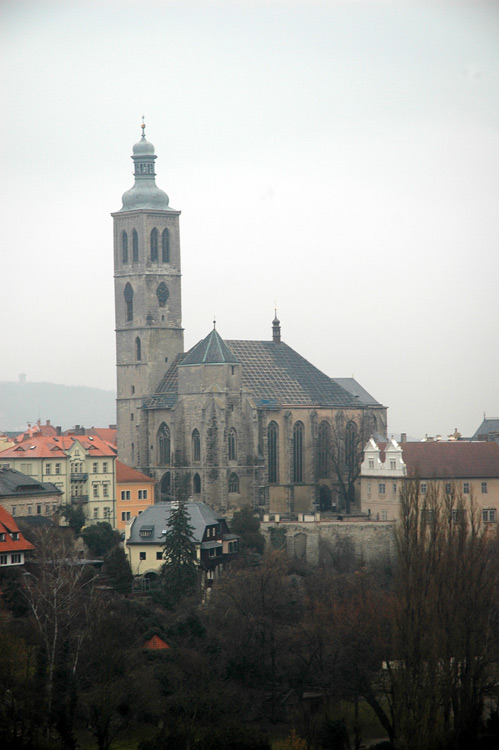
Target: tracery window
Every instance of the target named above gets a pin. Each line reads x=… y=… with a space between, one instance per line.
x=324 y=446
x=232 y=445
x=124 y=247
x=162 y=294
x=350 y=443
x=164 y=445
x=196 y=446
x=138 y=349
x=135 y=246
x=273 y=451
x=298 y=452
x=165 y=246
x=154 y=244
x=128 y=295
x=197 y=484
x=233 y=483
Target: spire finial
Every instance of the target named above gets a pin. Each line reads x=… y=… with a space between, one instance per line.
x=214 y=322
x=143 y=126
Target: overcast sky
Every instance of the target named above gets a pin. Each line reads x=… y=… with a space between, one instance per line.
x=339 y=159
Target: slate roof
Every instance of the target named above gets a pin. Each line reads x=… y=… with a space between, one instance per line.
x=488 y=427
x=156 y=516
x=274 y=373
x=453 y=459
x=15 y=484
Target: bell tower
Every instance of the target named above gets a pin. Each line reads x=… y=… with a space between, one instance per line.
x=147 y=296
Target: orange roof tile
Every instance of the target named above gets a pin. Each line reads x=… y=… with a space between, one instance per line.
x=48 y=447
x=126 y=475
x=156 y=643
x=9 y=527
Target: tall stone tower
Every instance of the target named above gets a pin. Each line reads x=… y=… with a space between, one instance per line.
x=147 y=293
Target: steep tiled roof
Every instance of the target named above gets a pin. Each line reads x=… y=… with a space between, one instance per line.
x=54 y=447
x=156 y=643
x=453 y=459
x=10 y=529
x=212 y=350
x=15 y=484
x=489 y=427
x=355 y=388
x=126 y=475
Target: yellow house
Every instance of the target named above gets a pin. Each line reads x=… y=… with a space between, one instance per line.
x=471 y=469
x=134 y=493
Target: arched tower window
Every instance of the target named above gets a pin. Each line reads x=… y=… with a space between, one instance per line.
x=323 y=449
x=196 y=484
x=124 y=247
x=165 y=246
x=232 y=445
x=298 y=452
x=166 y=487
x=162 y=294
x=196 y=446
x=233 y=483
x=273 y=451
x=350 y=443
x=138 y=349
x=128 y=295
x=135 y=246
x=164 y=445
x=154 y=244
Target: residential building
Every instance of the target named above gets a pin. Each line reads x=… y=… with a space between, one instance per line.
x=13 y=546
x=24 y=496
x=145 y=537
x=466 y=468
x=241 y=422
x=82 y=468
x=134 y=493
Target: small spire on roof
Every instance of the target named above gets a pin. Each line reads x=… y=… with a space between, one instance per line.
x=214 y=322
x=276 y=328
x=143 y=126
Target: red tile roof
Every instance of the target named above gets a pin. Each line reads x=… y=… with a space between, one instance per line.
x=126 y=475
x=156 y=643
x=51 y=447
x=9 y=527
x=453 y=459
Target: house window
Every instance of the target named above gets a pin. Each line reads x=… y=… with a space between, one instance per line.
x=104 y=467
x=138 y=349
x=197 y=484
x=489 y=515
x=15 y=558
x=484 y=488
x=448 y=488
x=15 y=536
x=135 y=246
x=38 y=510
x=324 y=442
x=384 y=515
x=196 y=446
x=159 y=555
x=58 y=468
x=394 y=488
x=125 y=494
x=298 y=452
x=3 y=559
x=128 y=295
x=381 y=488
x=273 y=451
x=96 y=490
x=95 y=468
x=107 y=512
x=233 y=483
x=165 y=246
x=125 y=515
x=154 y=244
x=105 y=490
x=48 y=468
x=164 y=445
x=14 y=510
x=142 y=494
x=393 y=464
x=466 y=488
x=424 y=488
x=371 y=463
x=124 y=247
x=30 y=510
x=232 y=444
x=96 y=513
x=142 y=555
x=2 y=536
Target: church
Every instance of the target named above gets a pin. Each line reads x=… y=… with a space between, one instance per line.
x=229 y=422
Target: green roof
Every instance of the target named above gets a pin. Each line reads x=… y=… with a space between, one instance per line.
x=212 y=350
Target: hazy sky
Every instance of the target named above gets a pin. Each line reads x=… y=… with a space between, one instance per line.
x=339 y=158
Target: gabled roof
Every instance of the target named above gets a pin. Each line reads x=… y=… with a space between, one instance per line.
x=489 y=427
x=212 y=350
x=156 y=643
x=156 y=517
x=49 y=447
x=454 y=459
x=15 y=484
x=126 y=475
x=355 y=388
x=9 y=527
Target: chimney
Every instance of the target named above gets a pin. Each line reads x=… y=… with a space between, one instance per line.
x=58 y=430
x=403 y=437
x=48 y=422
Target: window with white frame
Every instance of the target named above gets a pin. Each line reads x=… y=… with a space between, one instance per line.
x=15 y=558
x=104 y=467
x=105 y=489
x=125 y=515
x=394 y=488
x=466 y=488
x=424 y=488
x=95 y=489
x=393 y=464
x=371 y=463
x=484 y=488
x=381 y=488
x=48 y=468
x=384 y=515
x=142 y=494
x=95 y=468
x=489 y=515
x=107 y=512
x=96 y=513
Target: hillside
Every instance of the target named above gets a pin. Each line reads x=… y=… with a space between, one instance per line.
x=64 y=405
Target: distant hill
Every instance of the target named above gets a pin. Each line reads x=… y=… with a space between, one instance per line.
x=64 y=405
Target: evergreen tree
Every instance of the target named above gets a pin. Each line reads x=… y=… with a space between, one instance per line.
x=180 y=571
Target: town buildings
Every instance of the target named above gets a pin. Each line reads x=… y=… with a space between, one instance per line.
x=233 y=422
x=134 y=493
x=13 y=546
x=25 y=496
x=468 y=469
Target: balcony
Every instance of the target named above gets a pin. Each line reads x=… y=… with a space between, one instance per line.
x=79 y=499
x=77 y=477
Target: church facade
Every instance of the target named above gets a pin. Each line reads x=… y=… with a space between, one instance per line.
x=228 y=422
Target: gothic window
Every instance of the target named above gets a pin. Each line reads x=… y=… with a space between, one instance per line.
x=135 y=246
x=166 y=487
x=350 y=443
x=165 y=246
x=298 y=452
x=324 y=441
x=233 y=483
x=138 y=349
x=196 y=446
x=232 y=445
x=128 y=295
x=273 y=451
x=124 y=247
x=164 y=445
x=154 y=244
x=162 y=293
x=197 y=484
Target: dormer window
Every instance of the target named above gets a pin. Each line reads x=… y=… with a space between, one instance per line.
x=2 y=536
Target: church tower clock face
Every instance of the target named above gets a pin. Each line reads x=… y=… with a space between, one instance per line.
x=148 y=305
